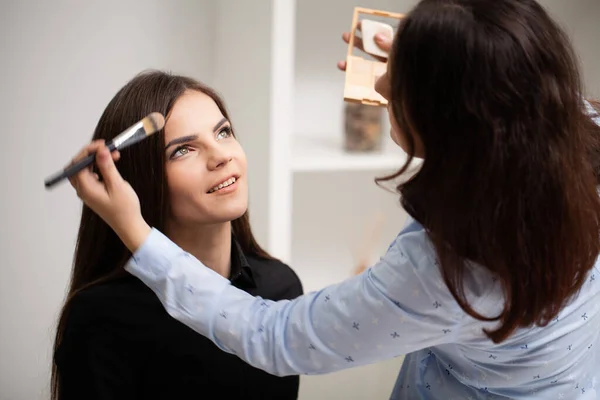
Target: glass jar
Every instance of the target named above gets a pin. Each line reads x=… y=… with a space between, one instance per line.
x=362 y=127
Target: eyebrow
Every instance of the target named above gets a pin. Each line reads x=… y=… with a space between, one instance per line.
x=189 y=138
x=218 y=125
x=180 y=140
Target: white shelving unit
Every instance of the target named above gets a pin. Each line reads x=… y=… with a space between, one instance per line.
x=326 y=153
x=275 y=64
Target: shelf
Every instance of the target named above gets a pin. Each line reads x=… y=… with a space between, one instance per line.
x=312 y=153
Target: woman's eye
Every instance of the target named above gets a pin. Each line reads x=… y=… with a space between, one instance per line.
x=180 y=151
x=224 y=133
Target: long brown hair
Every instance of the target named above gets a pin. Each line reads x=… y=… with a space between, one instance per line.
x=493 y=91
x=99 y=254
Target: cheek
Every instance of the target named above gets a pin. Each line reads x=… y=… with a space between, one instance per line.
x=177 y=177
x=395 y=133
x=399 y=137
x=382 y=86
x=240 y=158
x=184 y=186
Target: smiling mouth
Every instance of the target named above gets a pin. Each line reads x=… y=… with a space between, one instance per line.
x=220 y=186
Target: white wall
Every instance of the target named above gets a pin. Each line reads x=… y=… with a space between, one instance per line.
x=61 y=63
x=580 y=19
x=242 y=59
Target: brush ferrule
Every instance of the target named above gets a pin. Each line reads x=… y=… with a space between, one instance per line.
x=125 y=137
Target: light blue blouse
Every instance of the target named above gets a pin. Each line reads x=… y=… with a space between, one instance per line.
x=400 y=306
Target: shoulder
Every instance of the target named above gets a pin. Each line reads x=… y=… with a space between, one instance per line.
x=108 y=293
x=412 y=247
x=117 y=303
x=103 y=322
x=277 y=272
x=117 y=317
x=412 y=259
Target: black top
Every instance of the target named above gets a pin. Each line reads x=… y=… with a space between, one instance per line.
x=120 y=343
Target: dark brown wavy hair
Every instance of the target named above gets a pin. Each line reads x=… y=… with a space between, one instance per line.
x=492 y=88
x=99 y=254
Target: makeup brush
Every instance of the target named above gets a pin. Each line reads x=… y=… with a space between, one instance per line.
x=151 y=124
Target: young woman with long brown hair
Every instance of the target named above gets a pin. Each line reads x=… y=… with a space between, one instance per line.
x=114 y=339
x=492 y=289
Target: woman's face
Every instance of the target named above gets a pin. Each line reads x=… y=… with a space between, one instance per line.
x=383 y=87
x=206 y=166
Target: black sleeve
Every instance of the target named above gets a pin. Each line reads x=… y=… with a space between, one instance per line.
x=93 y=362
x=292 y=286
x=296 y=289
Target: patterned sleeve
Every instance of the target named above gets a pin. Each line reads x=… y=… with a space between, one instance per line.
x=395 y=307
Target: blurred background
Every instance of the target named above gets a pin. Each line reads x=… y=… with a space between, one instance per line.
x=312 y=203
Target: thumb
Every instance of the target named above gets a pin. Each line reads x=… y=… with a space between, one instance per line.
x=384 y=41
x=108 y=169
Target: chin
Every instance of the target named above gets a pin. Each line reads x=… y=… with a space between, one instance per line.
x=229 y=213
x=208 y=214
x=395 y=137
x=235 y=215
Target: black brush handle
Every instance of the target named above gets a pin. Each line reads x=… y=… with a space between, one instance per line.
x=74 y=169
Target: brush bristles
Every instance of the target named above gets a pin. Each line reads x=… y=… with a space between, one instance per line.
x=153 y=123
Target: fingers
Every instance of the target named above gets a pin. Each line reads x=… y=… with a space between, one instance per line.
x=358 y=43
x=93 y=147
x=383 y=41
x=108 y=169
x=346 y=35
x=87 y=183
x=86 y=151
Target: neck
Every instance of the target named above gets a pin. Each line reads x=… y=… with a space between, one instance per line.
x=211 y=244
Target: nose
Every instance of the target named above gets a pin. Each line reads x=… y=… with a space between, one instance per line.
x=382 y=86
x=219 y=157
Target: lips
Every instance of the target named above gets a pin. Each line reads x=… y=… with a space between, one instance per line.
x=223 y=184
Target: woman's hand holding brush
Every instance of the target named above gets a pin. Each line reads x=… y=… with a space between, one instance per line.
x=112 y=198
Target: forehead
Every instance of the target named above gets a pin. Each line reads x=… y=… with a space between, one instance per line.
x=193 y=113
